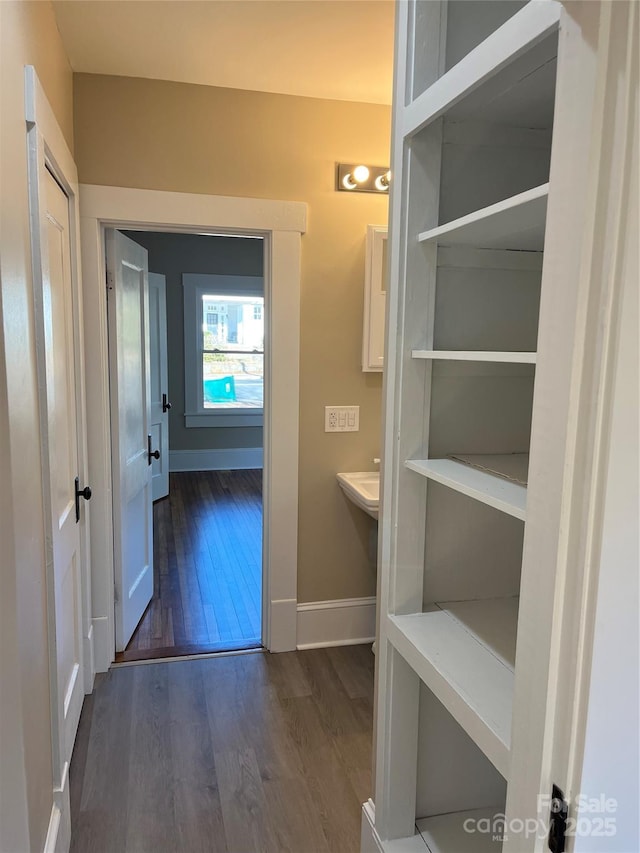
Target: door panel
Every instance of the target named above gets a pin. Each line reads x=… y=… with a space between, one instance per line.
x=60 y=368
x=159 y=383
x=130 y=424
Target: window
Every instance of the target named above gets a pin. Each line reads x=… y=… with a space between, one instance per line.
x=224 y=350
x=233 y=354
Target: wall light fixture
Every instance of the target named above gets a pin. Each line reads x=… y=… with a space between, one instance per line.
x=356 y=177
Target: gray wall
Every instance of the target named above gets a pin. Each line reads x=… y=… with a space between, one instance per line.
x=175 y=254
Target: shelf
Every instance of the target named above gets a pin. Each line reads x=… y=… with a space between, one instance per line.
x=488 y=478
x=464 y=652
x=445 y=833
x=510 y=55
x=515 y=223
x=476 y=355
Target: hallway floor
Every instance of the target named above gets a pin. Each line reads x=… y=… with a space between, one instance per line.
x=239 y=753
x=207 y=544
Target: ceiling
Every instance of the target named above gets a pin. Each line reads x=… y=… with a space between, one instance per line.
x=339 y=49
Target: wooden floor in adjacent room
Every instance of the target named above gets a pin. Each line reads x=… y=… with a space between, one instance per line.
x=207 y=567
x=231 y=754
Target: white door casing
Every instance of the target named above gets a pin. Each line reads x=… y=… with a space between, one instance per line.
x=58 y=315
x=128 y=288
x=281 y=224
x=159 y=427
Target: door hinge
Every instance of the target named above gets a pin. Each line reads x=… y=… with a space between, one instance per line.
x=109 y=282
x=558 y=821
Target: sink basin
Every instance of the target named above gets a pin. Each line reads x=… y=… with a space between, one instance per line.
x=363 y=488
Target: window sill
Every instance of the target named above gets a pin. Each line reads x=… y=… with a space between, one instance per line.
x=224 y=418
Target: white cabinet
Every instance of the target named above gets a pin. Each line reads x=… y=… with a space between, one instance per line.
x=375 y=299
x=494 y=108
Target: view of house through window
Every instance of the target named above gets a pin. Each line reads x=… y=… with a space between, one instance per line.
x=232 y=351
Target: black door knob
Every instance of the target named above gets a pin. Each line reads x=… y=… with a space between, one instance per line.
x=151 y=454
x=81 y=493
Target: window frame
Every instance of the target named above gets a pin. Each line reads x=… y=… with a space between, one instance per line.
x=195 y=286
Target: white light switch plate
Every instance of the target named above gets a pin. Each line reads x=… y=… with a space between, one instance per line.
x=341 y=418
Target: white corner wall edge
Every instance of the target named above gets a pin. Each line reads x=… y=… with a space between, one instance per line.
x=221 y=459
x=342 y=622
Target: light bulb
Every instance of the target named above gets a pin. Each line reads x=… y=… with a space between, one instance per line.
x=348 y=183
x=382 y=182
x=360 y=173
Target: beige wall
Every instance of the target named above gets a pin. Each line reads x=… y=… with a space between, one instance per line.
x=172 y=136
x=28 y=35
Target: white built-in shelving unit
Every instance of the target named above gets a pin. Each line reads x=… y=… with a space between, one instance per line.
x=474 y=130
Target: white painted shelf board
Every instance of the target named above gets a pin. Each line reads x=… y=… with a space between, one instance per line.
x=476 y=355
x=459 y=651
x=481 y=485
x=515 y=223
x=510 y=466
x=445 y=833
x=510 y=50
x=494 y=621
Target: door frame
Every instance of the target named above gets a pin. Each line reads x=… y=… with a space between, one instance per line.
x=47 y=149
x=281 y=224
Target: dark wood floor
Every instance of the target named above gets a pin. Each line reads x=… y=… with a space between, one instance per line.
x=239 y=753
x=207 y=567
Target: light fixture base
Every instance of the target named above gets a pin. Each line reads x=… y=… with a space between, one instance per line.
x=376 y=181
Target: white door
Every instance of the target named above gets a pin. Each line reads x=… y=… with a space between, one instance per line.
x=131 y=442
x=61 y=460
x=160 y=404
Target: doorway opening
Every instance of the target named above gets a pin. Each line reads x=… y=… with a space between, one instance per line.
x=206 y=347
x=281 y=224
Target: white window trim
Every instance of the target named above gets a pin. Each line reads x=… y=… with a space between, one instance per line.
x=195 y=285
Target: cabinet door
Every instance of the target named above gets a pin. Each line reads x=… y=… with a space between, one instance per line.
x=375 y=299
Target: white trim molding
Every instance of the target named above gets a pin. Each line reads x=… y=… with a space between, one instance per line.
x=342 y=622
x=218 y=459
x=281 y=224
x=47 y=150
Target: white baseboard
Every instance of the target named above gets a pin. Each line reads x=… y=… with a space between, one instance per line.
x=370 y=841
x=51 y=841
x=58 y=838
x=231 y=459
x=282 y=625
x=343 y=622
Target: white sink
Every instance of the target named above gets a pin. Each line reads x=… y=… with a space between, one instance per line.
x=363 y=488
